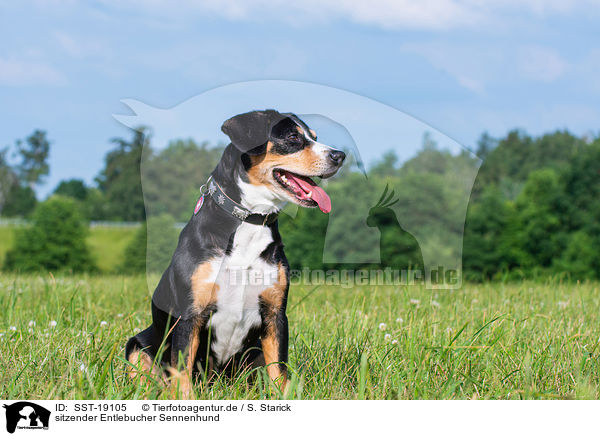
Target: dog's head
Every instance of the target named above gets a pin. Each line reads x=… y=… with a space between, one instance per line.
x=281 y=153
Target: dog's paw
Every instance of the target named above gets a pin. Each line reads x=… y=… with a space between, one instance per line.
x=181 y=386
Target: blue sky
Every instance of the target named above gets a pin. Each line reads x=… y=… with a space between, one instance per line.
x=461 y=67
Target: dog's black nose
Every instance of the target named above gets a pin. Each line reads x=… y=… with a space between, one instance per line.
x=337 y=157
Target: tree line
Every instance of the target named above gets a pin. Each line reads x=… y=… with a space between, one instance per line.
x=533 y=208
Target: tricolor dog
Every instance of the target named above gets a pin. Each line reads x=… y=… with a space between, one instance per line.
x=221 y=303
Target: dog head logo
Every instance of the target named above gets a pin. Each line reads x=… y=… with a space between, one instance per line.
x=26 y=415
x=282 y=154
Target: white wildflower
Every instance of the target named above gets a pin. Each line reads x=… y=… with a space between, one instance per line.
x=12 y=328
x=30 y=330
x=136 y=330
x=382 y=326
x=103 y=323
x=415 y=301
x=119 y=315
x=395 y=341
x=31 y=323
x=399 y=320
x=449 y=330
x=82 y=367
x=435 y=304
x=387 y=337
x=52 y=324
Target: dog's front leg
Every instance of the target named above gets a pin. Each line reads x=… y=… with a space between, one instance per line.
x=184 y=346
x=274 y=338
x=275 y=345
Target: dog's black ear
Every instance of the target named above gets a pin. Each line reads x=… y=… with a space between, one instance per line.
x=249 y=132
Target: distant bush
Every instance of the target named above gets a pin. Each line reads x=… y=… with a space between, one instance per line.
x=152 y=246
x=55 y=241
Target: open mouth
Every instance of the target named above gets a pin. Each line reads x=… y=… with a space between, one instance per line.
x=303 y=189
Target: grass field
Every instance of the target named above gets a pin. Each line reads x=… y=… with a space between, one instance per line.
x=63 y=337
x=108 y=244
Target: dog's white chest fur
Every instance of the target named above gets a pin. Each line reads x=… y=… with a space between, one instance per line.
x=241 y=278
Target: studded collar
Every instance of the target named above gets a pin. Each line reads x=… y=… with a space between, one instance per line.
x=234 y=208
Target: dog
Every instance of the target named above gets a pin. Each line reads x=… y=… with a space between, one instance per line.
x=221 y=303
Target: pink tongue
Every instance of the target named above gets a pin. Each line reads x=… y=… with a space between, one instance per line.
x=318 y=194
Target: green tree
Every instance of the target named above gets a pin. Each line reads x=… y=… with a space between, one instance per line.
x=387 y=166
x=485 y=145
x=540 y=209
x=20 y=201
x=398 y=248
x=152 y=246
x=509 y=164
x=55 y=241
x=490 y=246
x=582 y=187
x=580 y=257
x=74 y=188
x=120 y=180
x=34 y=158
x=171 y=177
x=7 y=178
x=304 y=237
x=95 y=207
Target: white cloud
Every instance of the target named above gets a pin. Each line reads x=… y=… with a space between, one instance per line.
x=388 y=14
x=78 y=47
x=475 y=66
x=15 y=72
x=536 y=7
x=540 y=63
x=392 y=14
x=470 y=65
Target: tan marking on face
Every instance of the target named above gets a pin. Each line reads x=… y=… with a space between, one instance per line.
x=313 y=133
x=262 y=165
x=203 y=292
x=305 y=162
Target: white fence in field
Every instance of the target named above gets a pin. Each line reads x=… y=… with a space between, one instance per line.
x=6 y=222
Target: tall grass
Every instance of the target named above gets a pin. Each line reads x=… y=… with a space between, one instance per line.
x=501 y=341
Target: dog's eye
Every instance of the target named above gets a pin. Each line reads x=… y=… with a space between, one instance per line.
x=293 y=136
